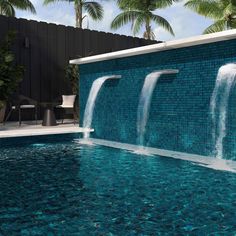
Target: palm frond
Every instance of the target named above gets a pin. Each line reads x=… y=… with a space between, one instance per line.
x=124 y=18
x=218 y=26
x=6 y=8
x=138 y=23
x=163 y=23
x=207 y=8
x=23 y=5
x=94 y=9
x=46 y=2
x=232 y=24
x=125 y=4
x=160 y=4
x=230 y=9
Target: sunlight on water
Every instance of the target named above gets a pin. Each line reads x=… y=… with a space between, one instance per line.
x=142 y=151
x=38 y=145
x=219 y=164
x=85 y=141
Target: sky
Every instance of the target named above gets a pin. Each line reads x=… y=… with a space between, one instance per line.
x=184 y=22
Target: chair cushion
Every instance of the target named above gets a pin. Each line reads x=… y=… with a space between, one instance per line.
x=68 y=101
x=27 y=106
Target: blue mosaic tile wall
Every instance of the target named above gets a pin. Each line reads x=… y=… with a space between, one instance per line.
x=179 y=118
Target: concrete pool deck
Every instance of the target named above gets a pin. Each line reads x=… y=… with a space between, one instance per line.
x=29 y=128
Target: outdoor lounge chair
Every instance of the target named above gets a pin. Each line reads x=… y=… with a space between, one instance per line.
x=68 y=102
x=22 y=103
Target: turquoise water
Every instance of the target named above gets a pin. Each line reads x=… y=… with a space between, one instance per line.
x=64 y=188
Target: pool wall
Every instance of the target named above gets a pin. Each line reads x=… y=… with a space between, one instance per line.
x=179 y=115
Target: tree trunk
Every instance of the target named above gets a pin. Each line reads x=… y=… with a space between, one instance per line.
x=148 y=29
x=78 y=14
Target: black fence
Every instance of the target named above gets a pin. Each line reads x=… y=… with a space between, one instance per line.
x=45 y=50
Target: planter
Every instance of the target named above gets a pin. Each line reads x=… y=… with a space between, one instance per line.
x=2 y=113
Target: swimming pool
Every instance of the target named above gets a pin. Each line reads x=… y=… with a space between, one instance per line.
x=55 y=186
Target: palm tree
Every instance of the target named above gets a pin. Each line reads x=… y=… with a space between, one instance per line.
x=223 y=12
x=141 y=13
x=7 y=7
x=94 y=10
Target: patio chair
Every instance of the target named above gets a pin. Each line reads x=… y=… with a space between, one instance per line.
x=22 y=103
x=68 y=102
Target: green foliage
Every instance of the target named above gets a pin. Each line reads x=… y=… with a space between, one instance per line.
x=10 y=73
x=72 y=75
x=94 y=9
x=7 y=7
x=141 y=14
x=222 y=12
x=2 y=104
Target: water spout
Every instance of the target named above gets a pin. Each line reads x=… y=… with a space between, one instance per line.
x=225 y=81
x=145 y=101
x=88 y=114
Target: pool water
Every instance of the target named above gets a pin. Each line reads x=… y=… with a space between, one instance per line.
x=66 y=188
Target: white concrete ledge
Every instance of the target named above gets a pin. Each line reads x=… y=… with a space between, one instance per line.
x=181 y=43
x=38 y=130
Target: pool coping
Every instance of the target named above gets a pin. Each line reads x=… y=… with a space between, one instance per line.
x=40 y=132
x=174 y=44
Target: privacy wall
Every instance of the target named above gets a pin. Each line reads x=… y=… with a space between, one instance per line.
x=179 y=115
x=45 y=50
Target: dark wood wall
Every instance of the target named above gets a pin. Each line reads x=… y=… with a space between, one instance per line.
x=49 y=49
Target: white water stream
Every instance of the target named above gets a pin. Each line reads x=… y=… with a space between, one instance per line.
x=225 y=81
x=145 y=101
x=88 y=113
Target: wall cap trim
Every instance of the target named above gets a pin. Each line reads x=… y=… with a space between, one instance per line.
x=174 y=44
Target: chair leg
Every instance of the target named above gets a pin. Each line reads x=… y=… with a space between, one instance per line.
x=63 y=116
x=62 y=119
x=8 y=116
x=19 y=117
x=36 y=115
x=74 y=116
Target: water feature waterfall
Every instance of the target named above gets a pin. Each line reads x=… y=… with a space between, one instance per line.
x=145 y=101
x=225 y=81
x=88 y=113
